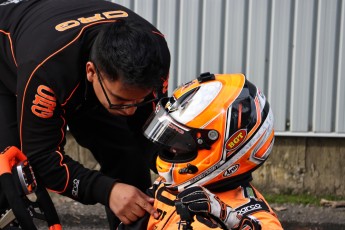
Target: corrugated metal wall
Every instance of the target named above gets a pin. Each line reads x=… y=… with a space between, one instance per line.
x=293 y=50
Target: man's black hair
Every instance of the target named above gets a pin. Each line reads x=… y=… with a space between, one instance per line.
x=133 y=53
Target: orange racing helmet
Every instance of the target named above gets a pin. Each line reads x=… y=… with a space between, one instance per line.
x=213 y=129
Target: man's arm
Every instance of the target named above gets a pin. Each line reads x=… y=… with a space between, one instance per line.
x=42 y=126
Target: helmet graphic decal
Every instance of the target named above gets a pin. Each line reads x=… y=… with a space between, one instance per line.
x=231 y=170
x=194 y=102
x=236 y=140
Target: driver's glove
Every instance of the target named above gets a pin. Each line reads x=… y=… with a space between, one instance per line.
x=201 y=201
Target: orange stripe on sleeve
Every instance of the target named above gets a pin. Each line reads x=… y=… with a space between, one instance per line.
x=62 y=130
x=69 y=97
x=11 y=44
x=155 y=32
x=67 y=172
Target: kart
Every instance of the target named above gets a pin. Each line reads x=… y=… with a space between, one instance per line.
x=28 y=199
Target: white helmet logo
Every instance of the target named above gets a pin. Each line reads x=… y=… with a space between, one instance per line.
x=231 y=170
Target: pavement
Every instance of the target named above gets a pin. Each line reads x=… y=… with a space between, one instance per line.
x=75 y=216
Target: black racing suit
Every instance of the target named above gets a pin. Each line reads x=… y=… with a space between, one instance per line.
x=44 y=46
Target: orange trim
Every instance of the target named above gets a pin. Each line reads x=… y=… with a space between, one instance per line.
x=55 y=227
x=11 y=44
x=62 y=131
x=155 y=32
x=67 y=171
x=239 y=121
x=63 y=104
x=261 y=153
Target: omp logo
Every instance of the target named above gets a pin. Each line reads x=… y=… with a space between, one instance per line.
x=177 y=129
x=231 y=170
x=236 y=139
x=44 y=103
x=95 y=18
x=249 y=208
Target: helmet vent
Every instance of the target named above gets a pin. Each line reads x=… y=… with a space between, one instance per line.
x=206 y=77
x=190 y=169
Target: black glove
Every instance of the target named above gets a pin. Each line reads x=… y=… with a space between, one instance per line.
x=201 y=201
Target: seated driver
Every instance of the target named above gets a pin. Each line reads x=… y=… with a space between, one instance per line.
x=214 y=132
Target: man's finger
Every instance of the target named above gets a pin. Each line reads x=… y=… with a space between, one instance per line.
x=137 y=211
x=131 y=216
x=146 y=205
x=124 y=220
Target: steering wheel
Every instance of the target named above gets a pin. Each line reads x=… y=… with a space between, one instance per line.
x=18 y=180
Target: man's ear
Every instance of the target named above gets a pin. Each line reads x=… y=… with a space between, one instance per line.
x=90 y=71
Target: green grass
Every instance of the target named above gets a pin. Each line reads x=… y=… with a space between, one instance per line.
x=299 y=199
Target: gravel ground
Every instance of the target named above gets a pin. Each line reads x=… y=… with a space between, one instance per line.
x=309 y=217
x=293 y=217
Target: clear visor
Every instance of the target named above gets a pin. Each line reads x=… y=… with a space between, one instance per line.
x=162 y=129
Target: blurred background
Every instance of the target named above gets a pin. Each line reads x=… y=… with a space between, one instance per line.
x=294 y=51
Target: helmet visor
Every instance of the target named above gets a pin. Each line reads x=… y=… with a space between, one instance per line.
x=174 y=137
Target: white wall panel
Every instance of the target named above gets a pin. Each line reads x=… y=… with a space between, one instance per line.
x=168 y=18
x=126 y=3
x=293 y=50
x=302 y=68
x=189 y=58
x=324 y=98
x=212 y=36
x=279 y=61
x=340 y=105
x=235 y=37
x=258 y=34
x=147 y=9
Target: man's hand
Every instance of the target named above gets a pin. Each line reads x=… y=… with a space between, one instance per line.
x=129 y=203
x=200 y=200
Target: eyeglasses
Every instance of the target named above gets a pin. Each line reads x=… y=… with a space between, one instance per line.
x=121 y=106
